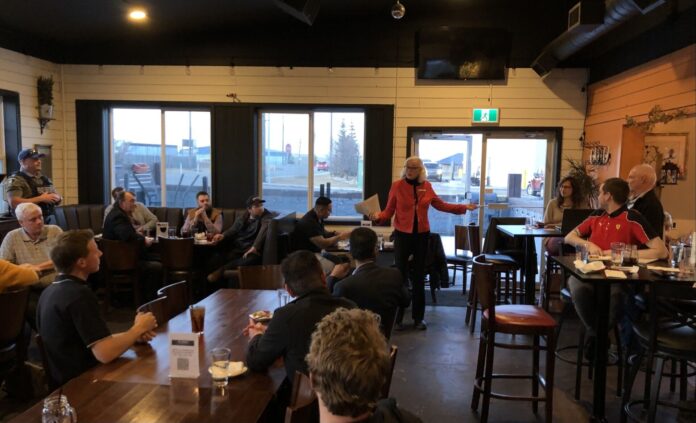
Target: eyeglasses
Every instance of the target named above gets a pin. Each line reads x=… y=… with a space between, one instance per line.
x=413 y=167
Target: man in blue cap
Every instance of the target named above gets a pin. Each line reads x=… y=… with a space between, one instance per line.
x=28 y=185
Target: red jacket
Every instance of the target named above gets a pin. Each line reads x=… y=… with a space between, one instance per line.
x=402 y=202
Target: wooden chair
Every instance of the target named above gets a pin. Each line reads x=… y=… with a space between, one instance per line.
x=392 y=358
x=515 y=319
x=158 y=307
x=304 y=406
x=177 y=260
x=505 y=270
x=267 y=276
x=121 y=267
x=52 y=384
x=13 y=306
x=178 y=297
x=462 y=255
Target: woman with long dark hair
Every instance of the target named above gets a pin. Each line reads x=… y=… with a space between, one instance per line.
x=569 y=196
x=409 y=200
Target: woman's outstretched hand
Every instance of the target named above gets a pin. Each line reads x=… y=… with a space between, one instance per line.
x=472 y=206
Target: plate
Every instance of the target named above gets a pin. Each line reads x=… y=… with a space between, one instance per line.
x=266 y=317
x=201 y=242
x=235 y=368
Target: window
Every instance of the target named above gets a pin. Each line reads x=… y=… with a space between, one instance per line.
x=161 y=155
x=308 y=154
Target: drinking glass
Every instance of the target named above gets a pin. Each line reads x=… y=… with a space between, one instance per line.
x=529 y=223
x=687 y=266
x=283 y=297
x=57 y=409
x=172 y=232
x=617 y=249
x=582 y=253
x=676 y=254
x=630 y=255
x=197 y=313
x=220 y=358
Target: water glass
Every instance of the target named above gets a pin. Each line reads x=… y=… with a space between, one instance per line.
x=220 y=358
x=172 y=233
x=57 y=409
x=283 y=297
x=617 y=249
x=582 y=253
x=687 y=267
x=676 y=254
x=529 y=223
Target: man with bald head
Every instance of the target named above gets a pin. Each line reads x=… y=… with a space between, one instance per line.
x=642 y=198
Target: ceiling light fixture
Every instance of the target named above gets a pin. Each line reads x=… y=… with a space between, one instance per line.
x=398 y=10
x=137 y=15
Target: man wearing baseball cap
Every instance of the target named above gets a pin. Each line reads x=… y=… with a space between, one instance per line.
x=28 y=185
x=242 y=243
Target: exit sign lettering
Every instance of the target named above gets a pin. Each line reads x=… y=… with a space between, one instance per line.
x=485 y=116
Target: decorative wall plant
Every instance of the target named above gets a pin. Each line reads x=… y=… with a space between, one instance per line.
x=656 y=115
x=44 y=91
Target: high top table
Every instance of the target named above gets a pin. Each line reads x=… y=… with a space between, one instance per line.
x=137 y=387
x=528 y=235
x=601 y=291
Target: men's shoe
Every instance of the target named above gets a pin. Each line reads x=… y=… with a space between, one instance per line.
x=398 y=327
x=420 y=325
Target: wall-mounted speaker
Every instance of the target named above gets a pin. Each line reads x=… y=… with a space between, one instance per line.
x=304 y=10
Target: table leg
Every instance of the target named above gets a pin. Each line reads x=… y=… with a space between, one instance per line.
x=602 y=294
x=529 y=288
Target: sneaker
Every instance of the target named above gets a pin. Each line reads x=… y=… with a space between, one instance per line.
x=420 y=325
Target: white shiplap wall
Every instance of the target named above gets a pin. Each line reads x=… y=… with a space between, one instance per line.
x=525 y=99
x=18 y=73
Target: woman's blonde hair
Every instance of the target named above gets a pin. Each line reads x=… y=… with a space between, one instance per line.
x=422 y=175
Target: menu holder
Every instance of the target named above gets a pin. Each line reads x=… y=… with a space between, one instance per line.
x=183 y=355
x=162 y=230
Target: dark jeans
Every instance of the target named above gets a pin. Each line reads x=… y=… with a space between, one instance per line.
x=406 y=245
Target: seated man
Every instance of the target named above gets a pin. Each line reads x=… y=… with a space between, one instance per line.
x=204 y=218
x=118 y=226
x=378 y=289
x=243 y=242
x=614 y=222
x=74 y=335
x=31 y=245
x=310 y=234
x=287 y=334
x=142 y=218
x=642 y=197
x=14 y=276
x=349 y=389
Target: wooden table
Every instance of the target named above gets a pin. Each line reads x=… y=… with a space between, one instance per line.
x=137 y=387
x=602 y=293
x=528 y=235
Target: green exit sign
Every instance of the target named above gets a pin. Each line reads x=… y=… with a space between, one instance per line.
x=485 y=116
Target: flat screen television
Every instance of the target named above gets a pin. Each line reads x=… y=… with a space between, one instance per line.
x=462 y=53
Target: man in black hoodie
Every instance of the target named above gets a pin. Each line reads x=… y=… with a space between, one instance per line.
x=349 y=364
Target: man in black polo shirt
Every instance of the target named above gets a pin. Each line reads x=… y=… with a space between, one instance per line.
x=310 y=234
x=74 y=335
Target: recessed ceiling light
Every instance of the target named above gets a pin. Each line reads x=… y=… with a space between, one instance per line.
x=137 y=15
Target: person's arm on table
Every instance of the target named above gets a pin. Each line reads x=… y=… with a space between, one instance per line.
x=266 y=343
x=111 y=347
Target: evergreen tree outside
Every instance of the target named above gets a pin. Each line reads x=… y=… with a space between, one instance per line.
x=345 y=153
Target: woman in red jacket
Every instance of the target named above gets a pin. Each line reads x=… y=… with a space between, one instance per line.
x=409 y=199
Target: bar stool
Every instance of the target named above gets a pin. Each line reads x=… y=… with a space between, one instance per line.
x=515 y=320
x=505 y=269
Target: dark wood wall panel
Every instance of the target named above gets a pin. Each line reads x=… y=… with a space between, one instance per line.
x=235 y=158
x=92 y=122
x=379 y=152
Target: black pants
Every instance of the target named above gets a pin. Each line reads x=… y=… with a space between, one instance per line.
x=406 y=245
